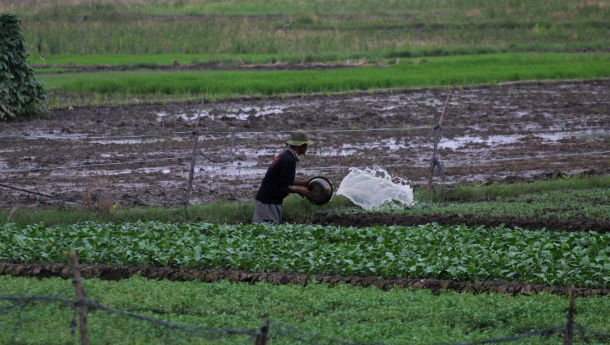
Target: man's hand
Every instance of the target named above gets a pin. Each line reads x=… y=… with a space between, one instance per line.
x=302 y=182
x=302 y=191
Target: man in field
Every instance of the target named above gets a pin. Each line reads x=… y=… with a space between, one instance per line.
x=279 y=181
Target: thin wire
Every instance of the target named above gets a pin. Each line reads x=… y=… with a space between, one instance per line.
x=381 y=129
x=589 y=330
x=38 y=193
x=426 y=165
x=211 y=333
x=414 y=165
x=284 y=330
x=191 y=328
x=98 y=137
x=94 y=165
x=546 y=331
x=281 y=329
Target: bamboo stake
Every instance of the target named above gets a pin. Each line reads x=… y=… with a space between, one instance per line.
x=192 y=170
x=261 y=338
x=80 y=295
x=437 y=139
x=569 y=336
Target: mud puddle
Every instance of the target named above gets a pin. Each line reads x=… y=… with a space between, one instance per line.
x=484 y=130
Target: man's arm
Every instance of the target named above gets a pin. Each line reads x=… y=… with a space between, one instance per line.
x=301 y=182
x=302 y=191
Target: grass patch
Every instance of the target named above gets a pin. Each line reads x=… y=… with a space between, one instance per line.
x=306 y=28
x=415 y=72
x=296 y=210
x=388 y=56
x=575 y=204
x=438 y=10
x=573 y=197
x=366 y=315
x=479 y=191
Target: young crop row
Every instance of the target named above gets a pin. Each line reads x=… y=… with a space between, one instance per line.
x=562 y=198
x=563 y=204
x=426 y=251
x=360 y=315
x=458 y=70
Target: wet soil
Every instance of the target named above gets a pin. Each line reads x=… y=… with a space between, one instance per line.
x=549 y=224
x=140 y=154
x=177 y=66
x=107 y=272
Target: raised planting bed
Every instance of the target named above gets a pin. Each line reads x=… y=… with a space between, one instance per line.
x=458 y=253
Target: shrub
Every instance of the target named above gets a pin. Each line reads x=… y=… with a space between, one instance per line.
x=20 y=93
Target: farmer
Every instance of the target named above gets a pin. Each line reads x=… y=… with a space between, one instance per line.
x=279 y=180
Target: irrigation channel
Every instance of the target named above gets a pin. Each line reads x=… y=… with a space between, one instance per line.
x=141 y=154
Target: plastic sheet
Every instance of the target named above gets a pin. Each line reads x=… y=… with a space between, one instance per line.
x=372 y=188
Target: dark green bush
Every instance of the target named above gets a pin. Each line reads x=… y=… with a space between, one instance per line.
x=20 y=93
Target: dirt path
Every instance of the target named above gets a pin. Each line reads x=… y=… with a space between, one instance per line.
x=549 y=224
x=513 y=131
x=107 y=272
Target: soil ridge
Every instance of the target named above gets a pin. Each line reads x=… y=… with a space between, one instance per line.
x=546 y=224
x=108 y=272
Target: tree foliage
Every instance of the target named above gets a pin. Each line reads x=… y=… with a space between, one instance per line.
x=20 y=93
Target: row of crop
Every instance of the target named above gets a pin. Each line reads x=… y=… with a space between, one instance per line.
x=564 y=198
x=469 y=69
x=437 y=71
x=426 y=251
x=365 y=315
x=563 y=204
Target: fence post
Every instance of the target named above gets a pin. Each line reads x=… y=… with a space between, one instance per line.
x=437 y=138
x=192 y=171
x=80 y=295
x=261 y=338
x=569 y=336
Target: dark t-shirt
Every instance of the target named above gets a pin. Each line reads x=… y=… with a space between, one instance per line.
x=280 y=175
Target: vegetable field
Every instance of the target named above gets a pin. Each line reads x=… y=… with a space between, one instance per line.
x=428 y=251
x=161 y=120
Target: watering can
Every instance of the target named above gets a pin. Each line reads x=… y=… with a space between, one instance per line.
x=320 y=190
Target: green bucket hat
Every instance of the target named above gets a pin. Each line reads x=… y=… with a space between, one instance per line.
x=298 y=138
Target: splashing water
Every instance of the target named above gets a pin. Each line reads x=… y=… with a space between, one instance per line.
x=374 y=187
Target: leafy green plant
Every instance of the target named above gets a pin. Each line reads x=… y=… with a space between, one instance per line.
x=425 y=251
x=20 y=93
x=356 y=314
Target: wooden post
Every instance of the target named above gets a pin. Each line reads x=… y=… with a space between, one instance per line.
x=192 y=171
x=80 y=295
x=433 y=163
x=437 y=139
x=569 y=336
x=440 y=121
x=261 y=339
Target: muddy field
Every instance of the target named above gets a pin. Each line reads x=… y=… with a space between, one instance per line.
x=140 y=155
